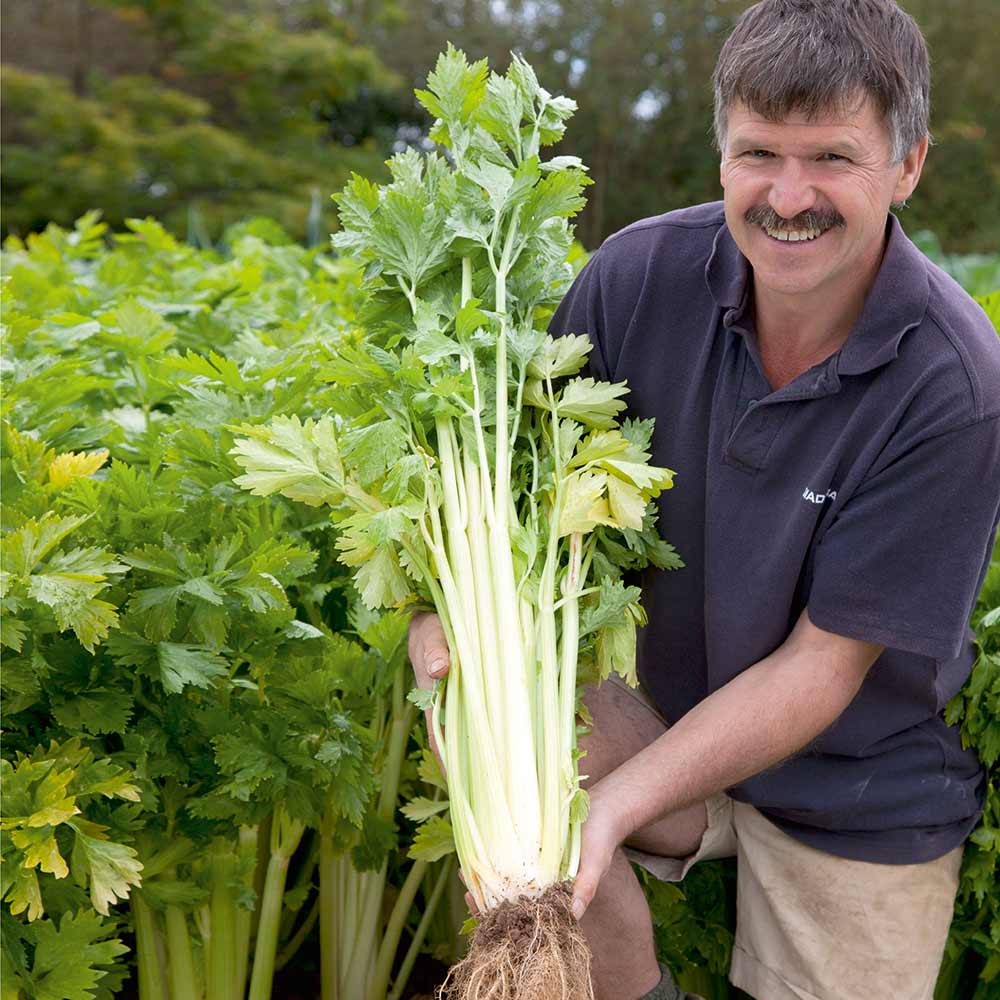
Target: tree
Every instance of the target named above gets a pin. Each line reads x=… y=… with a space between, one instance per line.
x=236 y=114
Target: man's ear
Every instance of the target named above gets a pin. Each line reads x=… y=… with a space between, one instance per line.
x=912 y=164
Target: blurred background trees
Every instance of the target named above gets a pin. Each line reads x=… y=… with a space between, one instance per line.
x=204 y=112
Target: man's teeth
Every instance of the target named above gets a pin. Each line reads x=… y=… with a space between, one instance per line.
x=794 y=235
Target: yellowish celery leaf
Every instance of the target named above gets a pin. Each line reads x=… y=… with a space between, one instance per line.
x=579 y=806
x=616 y=651
x=353 y=544
x=627 y=504
x=112 y=869
x=301 y=461
x=560 y=356
x=29 y=456
x=23 y=549
x=381 y=581
x=595 y=404
x=24 y=894
x=71 y=465
x=40 y=850
x=651 y=479
x=599 y=445
x=585 y=503
x=535 y=394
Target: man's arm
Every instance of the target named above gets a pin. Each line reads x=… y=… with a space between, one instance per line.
x=764 y=715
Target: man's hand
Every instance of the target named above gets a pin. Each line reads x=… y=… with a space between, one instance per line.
x=428 y=649
x=603 y=833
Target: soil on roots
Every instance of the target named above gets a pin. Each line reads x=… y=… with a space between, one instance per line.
x=525 y=949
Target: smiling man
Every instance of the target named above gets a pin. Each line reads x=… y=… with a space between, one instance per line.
x=831 y=401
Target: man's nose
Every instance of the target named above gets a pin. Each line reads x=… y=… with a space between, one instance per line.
x=791 y=189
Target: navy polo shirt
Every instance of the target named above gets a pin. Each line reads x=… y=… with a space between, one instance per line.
x=866 y=490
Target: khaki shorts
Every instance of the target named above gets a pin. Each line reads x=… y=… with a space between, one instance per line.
x=813 y=926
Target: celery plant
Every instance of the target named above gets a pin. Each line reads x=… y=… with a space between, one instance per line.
x=467 y=468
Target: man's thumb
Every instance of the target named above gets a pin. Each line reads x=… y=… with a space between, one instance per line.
x=584 y=889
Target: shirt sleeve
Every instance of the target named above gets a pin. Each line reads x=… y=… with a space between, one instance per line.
x=903 y=561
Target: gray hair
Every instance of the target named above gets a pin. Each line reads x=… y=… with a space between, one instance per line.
x=813 y=56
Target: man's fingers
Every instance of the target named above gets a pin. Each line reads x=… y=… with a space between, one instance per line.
x=428 y=647
x=584 y=889
x=592 y=869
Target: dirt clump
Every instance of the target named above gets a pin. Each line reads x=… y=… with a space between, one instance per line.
x=525 y=949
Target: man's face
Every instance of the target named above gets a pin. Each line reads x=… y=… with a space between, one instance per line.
x=806 y=199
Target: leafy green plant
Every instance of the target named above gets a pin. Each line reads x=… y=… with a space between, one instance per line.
x=972 y=958
x=471 y=470
x=173 y=641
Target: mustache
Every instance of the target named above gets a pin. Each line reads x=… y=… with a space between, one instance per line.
x=821 y=218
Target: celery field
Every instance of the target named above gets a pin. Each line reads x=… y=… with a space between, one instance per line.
x=217 y=778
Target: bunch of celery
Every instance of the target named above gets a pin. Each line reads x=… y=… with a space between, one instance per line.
x=471 y=467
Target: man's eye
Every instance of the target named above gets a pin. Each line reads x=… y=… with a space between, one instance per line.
x=757 y=154
x=833 y=158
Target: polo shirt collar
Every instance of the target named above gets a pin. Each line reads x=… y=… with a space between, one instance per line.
x=895 y=304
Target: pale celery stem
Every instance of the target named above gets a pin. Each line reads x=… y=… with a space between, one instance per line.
x=522 y=781
x=350 y=909
x=248 y=844
x=263 y=850
x=576 y=594
x=490 y=639
x=369 y=946
x=551 y=762
x=152 y=981
x=570 y=649
x=472 y=851
x=529 y=638
x=379 y=982
x=221 y=979
x=399 y=984
x=348 y=913
x=484 y=742
x=286 y=834
x=371 y=889
x=573 y=855
x=409 y=292
x=183 y=978
x=484 y=467
x=466 y=279
x=518 y=403
x=329 y=931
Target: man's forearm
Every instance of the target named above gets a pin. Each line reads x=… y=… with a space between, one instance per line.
x=764 y=715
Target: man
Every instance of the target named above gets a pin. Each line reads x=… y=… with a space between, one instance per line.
x=831 y=402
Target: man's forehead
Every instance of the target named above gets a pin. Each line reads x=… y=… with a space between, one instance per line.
x=855 y=124
x=852 y=116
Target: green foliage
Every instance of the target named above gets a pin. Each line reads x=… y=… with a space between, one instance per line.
x=171 y=641
x=236 y=120
x=972 y=958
